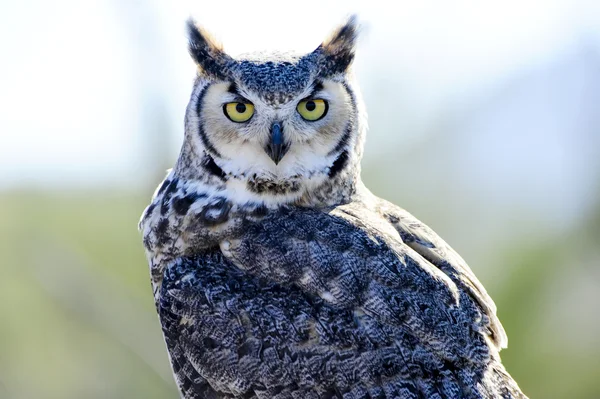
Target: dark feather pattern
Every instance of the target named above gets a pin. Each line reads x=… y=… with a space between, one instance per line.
x=311 y=304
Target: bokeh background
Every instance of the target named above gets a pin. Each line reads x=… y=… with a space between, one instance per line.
x=484 y=123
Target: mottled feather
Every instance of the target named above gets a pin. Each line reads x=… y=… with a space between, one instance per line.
x=306 y=303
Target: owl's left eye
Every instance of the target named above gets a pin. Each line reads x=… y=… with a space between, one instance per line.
x=312 y=110
x=238 y=112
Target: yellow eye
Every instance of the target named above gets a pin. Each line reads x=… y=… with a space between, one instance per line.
x=238 y=112
x=312 y=110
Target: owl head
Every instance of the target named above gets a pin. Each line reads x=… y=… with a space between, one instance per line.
x=274 y=128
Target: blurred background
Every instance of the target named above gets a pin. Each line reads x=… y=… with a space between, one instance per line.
x=484 y=123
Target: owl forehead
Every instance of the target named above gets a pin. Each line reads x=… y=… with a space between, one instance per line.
x=276 y=78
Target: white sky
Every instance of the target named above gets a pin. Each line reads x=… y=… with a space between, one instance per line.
x=73 y=78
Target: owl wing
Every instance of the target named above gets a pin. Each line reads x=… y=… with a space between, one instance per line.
x=307 y=304
x=430 y=246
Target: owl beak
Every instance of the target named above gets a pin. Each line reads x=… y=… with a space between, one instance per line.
x=276 y=148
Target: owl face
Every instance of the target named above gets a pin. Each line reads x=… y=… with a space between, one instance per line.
x=273 y=127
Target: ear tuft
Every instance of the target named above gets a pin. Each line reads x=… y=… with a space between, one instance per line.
x=207 y=52
x=339 y=49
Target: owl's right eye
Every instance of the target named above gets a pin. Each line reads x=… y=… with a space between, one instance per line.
x=238 y=112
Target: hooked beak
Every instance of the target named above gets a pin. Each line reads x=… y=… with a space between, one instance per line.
x=276 y=148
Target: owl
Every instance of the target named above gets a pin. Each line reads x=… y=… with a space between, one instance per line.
x=277 y=274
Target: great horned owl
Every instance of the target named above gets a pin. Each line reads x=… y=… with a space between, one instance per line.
x=277 y=274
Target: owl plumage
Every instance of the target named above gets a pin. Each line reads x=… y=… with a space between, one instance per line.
x=277 y=274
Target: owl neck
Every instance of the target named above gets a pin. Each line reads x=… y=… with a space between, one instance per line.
x=337 y=185
x=340 y=187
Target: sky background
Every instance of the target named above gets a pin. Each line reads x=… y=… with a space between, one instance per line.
x=74 y=93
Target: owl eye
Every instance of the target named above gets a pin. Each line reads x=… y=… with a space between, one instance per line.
x=238 y=112
x=312 y=110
